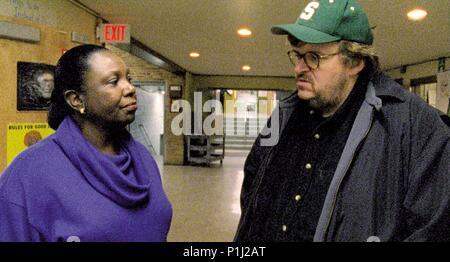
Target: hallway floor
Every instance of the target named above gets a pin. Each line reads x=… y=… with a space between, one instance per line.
x=205 y=200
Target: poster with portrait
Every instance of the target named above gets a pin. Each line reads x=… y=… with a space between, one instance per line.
x=34 y=85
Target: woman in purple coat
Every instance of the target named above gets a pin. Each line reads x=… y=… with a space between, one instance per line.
x=90 y=181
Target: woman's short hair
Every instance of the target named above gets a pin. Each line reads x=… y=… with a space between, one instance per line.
x=70 y=74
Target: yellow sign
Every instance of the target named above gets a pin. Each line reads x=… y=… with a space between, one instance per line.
x=21 y=136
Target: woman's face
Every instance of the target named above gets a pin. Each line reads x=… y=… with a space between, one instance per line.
x=110 y=98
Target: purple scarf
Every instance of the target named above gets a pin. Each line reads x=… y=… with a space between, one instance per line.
x=124 y=178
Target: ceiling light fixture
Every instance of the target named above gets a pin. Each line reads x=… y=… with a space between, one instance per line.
x=244 y=32
x=194 y=55
x=417 y=14
x=246 y=68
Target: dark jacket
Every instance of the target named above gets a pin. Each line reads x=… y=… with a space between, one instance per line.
x=392 y=182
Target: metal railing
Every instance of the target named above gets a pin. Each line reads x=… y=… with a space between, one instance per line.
x=147 y=138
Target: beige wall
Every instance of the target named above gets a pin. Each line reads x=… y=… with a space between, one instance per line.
x=244 y=82
x=418 y=71
x=59 y=14
x=47 y=51
x=141 y=70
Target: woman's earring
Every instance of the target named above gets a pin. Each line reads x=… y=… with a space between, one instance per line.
x=82 y=111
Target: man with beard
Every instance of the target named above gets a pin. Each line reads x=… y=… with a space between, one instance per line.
x=358 y=157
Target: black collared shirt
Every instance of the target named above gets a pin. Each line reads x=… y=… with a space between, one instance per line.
x=292 y=193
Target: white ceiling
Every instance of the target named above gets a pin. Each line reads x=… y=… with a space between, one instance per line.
x=174 y=28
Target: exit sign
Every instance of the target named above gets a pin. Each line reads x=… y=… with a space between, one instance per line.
x=114 y=33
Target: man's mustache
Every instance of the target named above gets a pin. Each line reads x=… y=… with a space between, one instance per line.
x=303 y=77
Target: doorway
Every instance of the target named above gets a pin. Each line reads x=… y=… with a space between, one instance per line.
x=425 y=88
x=245 y=114
x=148 y=126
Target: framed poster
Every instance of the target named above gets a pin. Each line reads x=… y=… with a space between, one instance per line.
x=35 y=84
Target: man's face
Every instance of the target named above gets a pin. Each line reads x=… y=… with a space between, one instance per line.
x=326 y=87
x=45 y=82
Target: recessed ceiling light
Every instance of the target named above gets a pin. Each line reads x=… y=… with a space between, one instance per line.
x=246 y=68
x=244 y=32
x=194 y=55
x=417 y=14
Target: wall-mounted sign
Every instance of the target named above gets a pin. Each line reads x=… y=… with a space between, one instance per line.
x=443 y=91
x=80 y=38
x=175 y=92
x=114 y=33
x=19 y=32
x=23 y=135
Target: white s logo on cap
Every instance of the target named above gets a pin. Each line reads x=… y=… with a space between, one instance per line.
x=73 y=239
x=373 y=239
x=309 y=11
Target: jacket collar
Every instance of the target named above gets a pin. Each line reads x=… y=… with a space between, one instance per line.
x=385 y=87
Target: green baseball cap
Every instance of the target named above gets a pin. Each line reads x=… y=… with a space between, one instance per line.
x=325 y=21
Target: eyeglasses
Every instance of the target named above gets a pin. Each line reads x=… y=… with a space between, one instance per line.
x=311 y=59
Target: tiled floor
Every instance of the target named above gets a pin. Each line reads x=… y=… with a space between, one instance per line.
x=205 y=200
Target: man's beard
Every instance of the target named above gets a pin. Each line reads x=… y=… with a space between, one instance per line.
x=329 y=103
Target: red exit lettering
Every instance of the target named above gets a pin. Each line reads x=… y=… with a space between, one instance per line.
x=114 y=32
